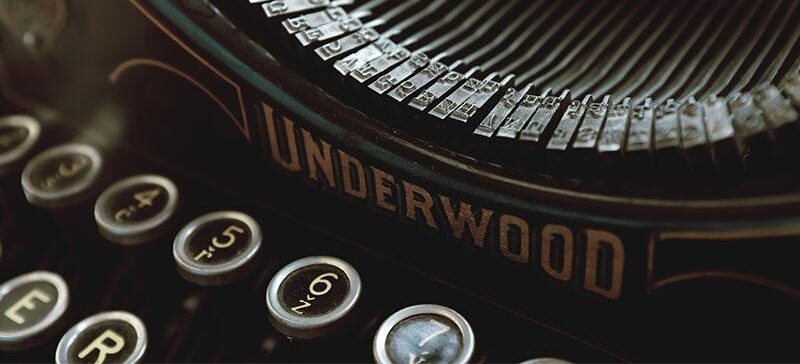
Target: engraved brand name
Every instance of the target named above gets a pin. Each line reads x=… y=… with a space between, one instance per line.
x=592 y=259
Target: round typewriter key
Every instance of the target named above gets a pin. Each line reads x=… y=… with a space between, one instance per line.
x=216 y=248
x=311 y=297
x=135 y=209
x=114 y=336
x=424 y=333
x=58 y=176
x=18 y=134
x=30 y=305
x=546 y=361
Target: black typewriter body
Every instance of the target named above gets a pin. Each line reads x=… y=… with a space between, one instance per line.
x=458 y=159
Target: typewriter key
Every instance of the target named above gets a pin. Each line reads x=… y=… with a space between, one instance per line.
x=216 y=248
x=30 y=305
x=546 y=361
x=135 y=209
x=18 y=134
x=311 y=297
x=58 y=176
x=114 y=336
x=424 y=333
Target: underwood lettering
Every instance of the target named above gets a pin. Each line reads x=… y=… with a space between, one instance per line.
x=293 y=162
x=465 y=218
x=354 y=182
x=550 y=234
x=318 y=158
x=512 y=226
x=384 y=189
x=419 y=200
x=603 y=261
x=594 y=240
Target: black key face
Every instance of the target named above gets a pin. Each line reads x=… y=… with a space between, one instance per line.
x=30 y=305
x=108 y=337
x=18 y=134
x=106 y=341
x=11 y=137
x=546 y=361
x=137 y=203
x=59 y=175
x=424 y=334
x=314 y=290
x=313 y=296
x=219 y=241
x=424 y=338
x=26 y=305
x=61 y=171
x=216 y=248
x=135 y=209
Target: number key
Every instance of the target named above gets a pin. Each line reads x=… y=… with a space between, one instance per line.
x=18 y=135
x=60 y=176
x=312 y=297
x=424 y=334
x=135 y=209
x=217 y=248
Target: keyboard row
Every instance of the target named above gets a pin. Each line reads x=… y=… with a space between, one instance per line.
x=309 y=300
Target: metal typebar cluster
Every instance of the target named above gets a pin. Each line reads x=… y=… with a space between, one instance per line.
x=508 y=102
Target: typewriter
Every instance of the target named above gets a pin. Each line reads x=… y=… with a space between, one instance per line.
x=399 y=181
